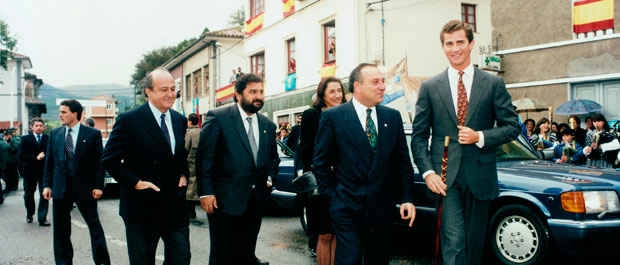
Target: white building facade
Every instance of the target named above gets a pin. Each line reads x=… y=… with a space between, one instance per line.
x=12 y=86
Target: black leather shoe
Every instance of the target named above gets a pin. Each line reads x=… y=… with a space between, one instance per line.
x=261 y=262
x=29 y=219
x=45 y=223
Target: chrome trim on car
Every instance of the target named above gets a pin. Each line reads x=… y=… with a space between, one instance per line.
x=584 y=224
x=275 y=192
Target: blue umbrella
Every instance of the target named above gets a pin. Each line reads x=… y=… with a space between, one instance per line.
x=578 y=107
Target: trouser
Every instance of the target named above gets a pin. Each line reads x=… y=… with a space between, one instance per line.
x=142 y=239
x=233 y=238
x=63 y=249
x=463 y=227
x=30 y=187
x=359 y=243
x=11 y=177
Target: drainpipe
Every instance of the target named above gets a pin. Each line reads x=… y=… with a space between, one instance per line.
x=213 y=76
x=18 y=75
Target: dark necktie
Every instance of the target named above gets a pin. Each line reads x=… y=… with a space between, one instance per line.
x=371 y=130
x=462 y=102
x=69 y=144
x=38 y=138
x=164 y=129
x=251 y=139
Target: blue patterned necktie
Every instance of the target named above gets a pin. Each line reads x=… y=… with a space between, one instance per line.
x=38 y=138
x=371 y=130
x=69 y=144
x=164 y=129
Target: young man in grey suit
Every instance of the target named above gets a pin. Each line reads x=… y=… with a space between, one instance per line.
x=237 y=153
x=475 y=110
x=146 y=155
x=362 y=164
x=73 y=173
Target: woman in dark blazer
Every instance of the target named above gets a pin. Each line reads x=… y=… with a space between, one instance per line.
x=329 y=93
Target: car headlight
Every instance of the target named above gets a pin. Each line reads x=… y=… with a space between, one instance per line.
x=590 y=202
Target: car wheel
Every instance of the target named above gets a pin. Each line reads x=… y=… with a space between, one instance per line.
x=518 y=236
x=303 y=218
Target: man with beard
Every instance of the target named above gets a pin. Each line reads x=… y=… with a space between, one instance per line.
x=237 y=154
x=146 y=155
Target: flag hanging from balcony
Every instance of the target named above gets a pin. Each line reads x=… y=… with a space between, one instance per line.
x=254 y=24
x=224 y=93
x=291 y=82
x=592 y=15
x=288 y=7
x=328 y=70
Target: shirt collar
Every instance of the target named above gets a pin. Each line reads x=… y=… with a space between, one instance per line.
x=359 y=107
x=158 y=113
x=74 y=128
x=468 y=71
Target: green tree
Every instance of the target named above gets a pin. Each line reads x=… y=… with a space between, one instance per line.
x=7 y=43
x=237 y=18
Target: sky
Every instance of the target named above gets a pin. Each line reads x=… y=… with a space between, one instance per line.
x=80 y=42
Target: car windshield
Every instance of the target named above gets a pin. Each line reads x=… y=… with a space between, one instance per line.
x=284 y=150
x=518 y=149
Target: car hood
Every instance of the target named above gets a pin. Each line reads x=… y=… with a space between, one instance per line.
x=543 y=175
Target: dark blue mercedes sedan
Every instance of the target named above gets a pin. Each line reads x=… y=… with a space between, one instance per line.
x=543 y=209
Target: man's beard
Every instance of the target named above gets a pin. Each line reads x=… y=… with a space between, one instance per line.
x=250 y=107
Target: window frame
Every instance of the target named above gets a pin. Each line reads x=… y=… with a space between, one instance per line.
x=288 y=56
x=465 y=15
x=326 y=26
x=255 y=63
x=256 y=7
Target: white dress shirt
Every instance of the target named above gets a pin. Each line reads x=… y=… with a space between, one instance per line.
x=360 y=110
x=168 y=120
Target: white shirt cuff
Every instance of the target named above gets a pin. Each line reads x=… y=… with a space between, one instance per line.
x=428 y=172
x=480 y=142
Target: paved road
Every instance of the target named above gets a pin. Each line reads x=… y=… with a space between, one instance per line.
x=281 y=240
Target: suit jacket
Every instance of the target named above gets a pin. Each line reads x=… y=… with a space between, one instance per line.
x=309 y=127
x=137 y=150
x=490 y=111
x=355 y=179
x=28 y=151
x=227 y=168
x=87 y=155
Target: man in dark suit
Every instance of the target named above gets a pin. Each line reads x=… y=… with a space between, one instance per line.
x=32 y=159
x=237 y=154
x=475 y=110
x=73 y=173
x=146 y=155
x=362 y=164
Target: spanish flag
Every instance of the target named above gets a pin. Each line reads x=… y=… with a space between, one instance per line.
x=328 y=70
x=288 y=7
x=254 y=24
x=592 y=15
x=224 y=93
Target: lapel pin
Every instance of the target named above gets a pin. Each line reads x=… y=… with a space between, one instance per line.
x=83 y=141
x=385 y=125
x=264 y=131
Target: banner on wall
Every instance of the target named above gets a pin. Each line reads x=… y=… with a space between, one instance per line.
x=288 y=7
x=592 y=15
x=254 y=24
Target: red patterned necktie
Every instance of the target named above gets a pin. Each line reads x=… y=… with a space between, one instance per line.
x=462 y=101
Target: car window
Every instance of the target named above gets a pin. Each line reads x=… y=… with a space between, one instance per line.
x=284 y=150
x=518 y=149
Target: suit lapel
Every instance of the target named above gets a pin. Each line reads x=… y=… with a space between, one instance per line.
x=445 y=94
x=177 y=130
x=357 y=132
x=474 y=97
x=235 y=117
x=81 y=142
x=151 y=126
x=262 y=137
